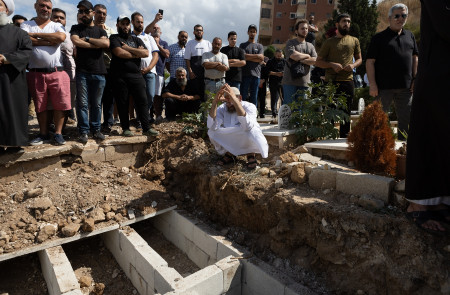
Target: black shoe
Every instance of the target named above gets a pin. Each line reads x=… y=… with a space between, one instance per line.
x=15 y=150
x=98 y=135
x=59 y=139
x=83 y=138
x=106 y=129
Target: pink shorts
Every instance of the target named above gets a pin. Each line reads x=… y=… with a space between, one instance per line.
x=55 y=86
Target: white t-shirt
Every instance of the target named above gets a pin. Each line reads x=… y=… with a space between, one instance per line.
x=195 y=48
x=211 y=57
x=44 y=56
x=150 y=43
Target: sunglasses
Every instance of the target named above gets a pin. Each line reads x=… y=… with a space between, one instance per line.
x=84 y=11
x=403 y=15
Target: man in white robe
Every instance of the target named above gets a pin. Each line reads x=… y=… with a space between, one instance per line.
x=233 y=128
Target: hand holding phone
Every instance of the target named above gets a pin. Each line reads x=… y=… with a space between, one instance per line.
x=161 y=11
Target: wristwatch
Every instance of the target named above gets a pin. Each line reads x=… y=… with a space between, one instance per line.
x=87 y=39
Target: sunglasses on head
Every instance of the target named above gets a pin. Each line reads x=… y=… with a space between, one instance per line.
x=403 y=15
x=84 y=11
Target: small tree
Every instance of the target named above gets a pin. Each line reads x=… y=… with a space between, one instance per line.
x=371 y=142
x=364 y=24
x=270 y=51
x=314 y=115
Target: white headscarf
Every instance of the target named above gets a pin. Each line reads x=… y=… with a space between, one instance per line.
x=10 y=5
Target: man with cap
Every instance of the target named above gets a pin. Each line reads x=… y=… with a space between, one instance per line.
x=47 y=79
x=15 y=51
x=90 y=40
x=233 y=128
x=127 y=51
x=251 y=72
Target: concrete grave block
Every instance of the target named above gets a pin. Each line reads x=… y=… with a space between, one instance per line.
x=225 y=249
x=93 y=153
x=74 y=292
x=363 y=183
x=165 y=279
x=259 y=281
x=204 y=241
x=57 y=271
x=137 y=280
x=197 y=255
x=322 y=179
x=232 y=273
x=205 y=281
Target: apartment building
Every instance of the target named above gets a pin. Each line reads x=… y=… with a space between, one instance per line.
x=278 y=17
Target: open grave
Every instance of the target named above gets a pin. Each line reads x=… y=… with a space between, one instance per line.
x=297 y=225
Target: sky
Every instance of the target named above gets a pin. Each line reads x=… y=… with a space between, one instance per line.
x=217 y=17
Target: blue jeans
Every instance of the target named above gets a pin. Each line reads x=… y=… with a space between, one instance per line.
x=290 y=93
x=213 y=86
x=150 y=80
x=252 y=83
x=236 y=84
x=89 y=96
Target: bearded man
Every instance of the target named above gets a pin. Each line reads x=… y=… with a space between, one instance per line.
x=339 y=55
x=233 y=128
x=181 y=95
x=15 y=52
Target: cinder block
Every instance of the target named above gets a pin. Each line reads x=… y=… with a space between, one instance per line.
x=112 y=242
x=146 y=261
x=57 y=271
x=234 y=291
x=363 y=183
x=225 y=249
x=93 y=153
x=165 y=279
x=183 y=224
x=322 y=179
x=138 y=281
x=206 y=281
x=204 y=241
x=257 y=281
x=161 y=224
x=116 y=154
x=232 y=273
x=74 y=292
x=197 y=255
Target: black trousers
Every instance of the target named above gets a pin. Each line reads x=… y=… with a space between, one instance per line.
x=276 y=90
x=134 y=85
x=177 y=107
x=262 y=92
x=108 y=101
x=348 y=89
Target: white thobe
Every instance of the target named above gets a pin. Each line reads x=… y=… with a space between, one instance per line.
x=235 y=134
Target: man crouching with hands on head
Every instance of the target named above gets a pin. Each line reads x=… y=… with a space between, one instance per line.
x=233 y=128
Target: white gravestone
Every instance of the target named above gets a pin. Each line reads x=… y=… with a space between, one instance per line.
x=284 y=116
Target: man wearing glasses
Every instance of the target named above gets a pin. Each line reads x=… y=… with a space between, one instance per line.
x=392 y=66
x=90 y=40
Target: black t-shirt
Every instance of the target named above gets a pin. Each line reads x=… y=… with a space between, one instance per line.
x=275 y=65
x=393 y=58
x=125 y=66
x=89 y=60
x=175 y=89
x=235 y=73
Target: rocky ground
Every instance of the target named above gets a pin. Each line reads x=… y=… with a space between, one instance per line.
x=327 y=240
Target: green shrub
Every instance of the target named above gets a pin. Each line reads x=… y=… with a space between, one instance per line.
x=314 y=116
x=196 y=122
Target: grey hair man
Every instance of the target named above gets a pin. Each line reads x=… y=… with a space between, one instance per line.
x=391 y=66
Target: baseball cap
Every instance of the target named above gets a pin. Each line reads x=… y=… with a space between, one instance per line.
x=121 y=17
x=86 y=4
x=252 y=27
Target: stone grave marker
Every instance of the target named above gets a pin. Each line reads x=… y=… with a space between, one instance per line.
x=284 y=115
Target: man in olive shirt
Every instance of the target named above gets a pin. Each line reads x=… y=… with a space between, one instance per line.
x=336 y=56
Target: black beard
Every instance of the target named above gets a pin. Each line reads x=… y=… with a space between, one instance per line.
x=139 y=30
x=198 y=38
x=122 y=33
x=182 y=43
x=87 y=22
x=343 y=32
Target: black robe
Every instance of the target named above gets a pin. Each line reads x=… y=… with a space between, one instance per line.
x=15 y=45
x=428 y=158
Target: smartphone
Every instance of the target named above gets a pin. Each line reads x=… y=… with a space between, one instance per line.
x=161 y=11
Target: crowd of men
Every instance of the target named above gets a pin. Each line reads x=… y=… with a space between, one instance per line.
x=91 y=69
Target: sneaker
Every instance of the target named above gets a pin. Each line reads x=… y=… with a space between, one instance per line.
x=59 y=139
x=127 y=133
x=116 y=121
x=83 y=138
x=106 y=129
x=139 y=126
x=159 y=119
x=98 y=135
x=150 y=132
x=39 y=140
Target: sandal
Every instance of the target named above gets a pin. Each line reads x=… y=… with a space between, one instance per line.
x=443 y=215
x=421 y=217
x=251 y=162
x=226 y=159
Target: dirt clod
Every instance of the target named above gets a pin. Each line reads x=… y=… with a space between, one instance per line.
x=70 y=230
x=88 y=224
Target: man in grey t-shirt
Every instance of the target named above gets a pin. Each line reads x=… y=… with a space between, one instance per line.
x=298 y=50
x=215 y=64
x=251 y=72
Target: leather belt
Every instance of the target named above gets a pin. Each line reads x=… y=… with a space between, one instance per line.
x=47 y=70
x=215 y=80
